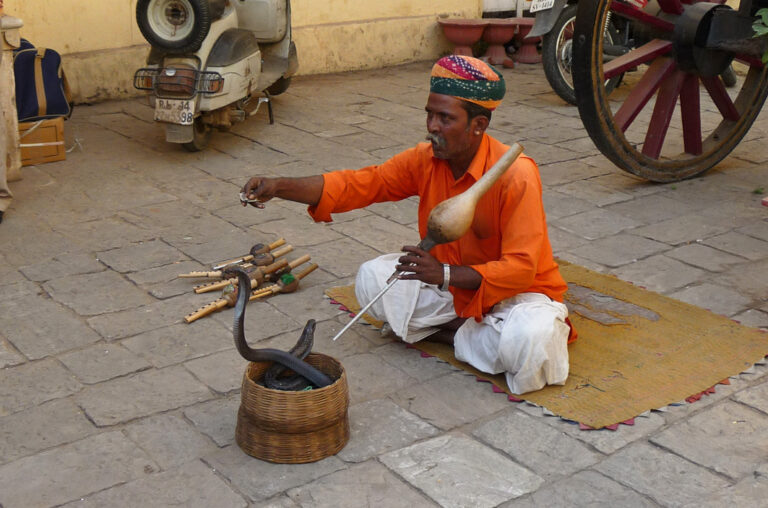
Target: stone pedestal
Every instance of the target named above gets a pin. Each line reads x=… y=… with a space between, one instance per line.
x=10 y=155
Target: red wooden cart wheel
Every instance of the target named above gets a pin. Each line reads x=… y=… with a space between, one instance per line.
x=639 y=127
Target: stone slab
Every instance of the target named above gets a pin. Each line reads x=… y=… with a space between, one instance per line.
x=606 y=441
x=664 y=477
x=378 y=233
x=596 y=224
x=659 y=273
x=379 y=426
x=410 y=361
x=260 y=480
x=216 y=418
x=167 y=273
x=754 y=318
x=370 y=377
x=9 y=356
x=96 y=293
x=444 y=467
x=158 y=314
x=101 y=362
x=73 y=471
x=619 y=249
x=705 y=257
x=740 y=245
x=178 y=343
x=719 y=299
x=140 y=256
x=41 y=427
x=40 y=327
x=342 y=257
x=192 y=485
x=558 y=204
x=727 y=438
x=222 y=372
x=169 y=440
x=683 y=229
x=347 y=345
x=61 y=266
x=153 y=391
x=30 y=384
x=367 y=484
x=751 y=491
x=585 y=488
x=451 y=401
x=654 y=208
x=542 y=449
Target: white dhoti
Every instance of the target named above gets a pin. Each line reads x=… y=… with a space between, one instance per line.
x=524 y=336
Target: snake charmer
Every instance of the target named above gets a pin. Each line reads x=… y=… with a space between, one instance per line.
x=496 y=293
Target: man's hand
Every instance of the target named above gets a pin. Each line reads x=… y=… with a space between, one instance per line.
x=259 y=188
x=419 y=264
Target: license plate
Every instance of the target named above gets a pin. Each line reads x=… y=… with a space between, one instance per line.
x=176 y=111
x=541 y=5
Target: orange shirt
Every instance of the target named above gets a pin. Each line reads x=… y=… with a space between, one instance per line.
x=507 y=242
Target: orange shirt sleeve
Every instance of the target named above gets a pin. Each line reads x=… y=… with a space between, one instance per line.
x=348 y=189
x=523 y=239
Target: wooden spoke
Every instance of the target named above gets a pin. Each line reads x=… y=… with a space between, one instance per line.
x=671 y=6
x=720 y=97
x=690 y=109
x=643 y=91
x=750 y=60
x=628 y=11
x=662 y=114
x=637 y=56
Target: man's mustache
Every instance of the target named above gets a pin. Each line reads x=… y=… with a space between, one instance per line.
x=436 y=139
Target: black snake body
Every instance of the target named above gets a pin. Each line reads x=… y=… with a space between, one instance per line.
x=292 y=360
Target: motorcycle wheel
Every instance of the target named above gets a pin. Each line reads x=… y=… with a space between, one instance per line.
x=279 y=86
x=202 y=135
x=175 y=26
x=556 y=55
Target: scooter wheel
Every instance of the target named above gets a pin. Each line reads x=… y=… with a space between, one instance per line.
x=174 y=26
x=202 y=135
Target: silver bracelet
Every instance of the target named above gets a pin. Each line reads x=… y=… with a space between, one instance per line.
x=446 y=277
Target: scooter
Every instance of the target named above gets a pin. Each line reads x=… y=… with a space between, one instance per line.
x=213 y=63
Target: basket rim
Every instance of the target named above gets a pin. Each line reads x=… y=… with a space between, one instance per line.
x=334 y=385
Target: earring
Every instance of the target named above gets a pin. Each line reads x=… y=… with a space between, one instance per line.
x=477 y=132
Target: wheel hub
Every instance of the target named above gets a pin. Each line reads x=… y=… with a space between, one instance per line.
x=690 y=39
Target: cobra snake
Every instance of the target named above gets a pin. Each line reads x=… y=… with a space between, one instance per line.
x=293 y=360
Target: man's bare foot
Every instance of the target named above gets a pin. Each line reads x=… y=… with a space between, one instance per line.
x=442 y=336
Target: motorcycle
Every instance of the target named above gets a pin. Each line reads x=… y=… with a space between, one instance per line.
x=213 y=63
x=555 y=20
x=554 y=24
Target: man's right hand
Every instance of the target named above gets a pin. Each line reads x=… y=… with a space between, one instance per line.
x=259 y=188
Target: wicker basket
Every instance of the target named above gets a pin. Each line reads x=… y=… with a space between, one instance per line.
x=289 y=426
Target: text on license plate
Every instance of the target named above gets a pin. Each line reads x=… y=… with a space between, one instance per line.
x=541 y=5
x=175 y=111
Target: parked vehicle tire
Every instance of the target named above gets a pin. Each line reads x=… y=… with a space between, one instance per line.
x=175 y=26
x=556 y=55
x=729 y=77
x=202 y=135
x=279 y=86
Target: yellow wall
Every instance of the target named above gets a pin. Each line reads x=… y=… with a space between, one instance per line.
x=101 y=44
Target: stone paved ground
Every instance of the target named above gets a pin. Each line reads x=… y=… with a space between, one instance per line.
x=108 y=399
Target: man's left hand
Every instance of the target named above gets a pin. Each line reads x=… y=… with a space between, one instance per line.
x=419 y=264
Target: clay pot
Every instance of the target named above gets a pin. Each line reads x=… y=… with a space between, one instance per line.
x=496 y=34
x=463 y=33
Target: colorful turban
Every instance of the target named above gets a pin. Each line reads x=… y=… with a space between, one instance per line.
x=468 y=79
